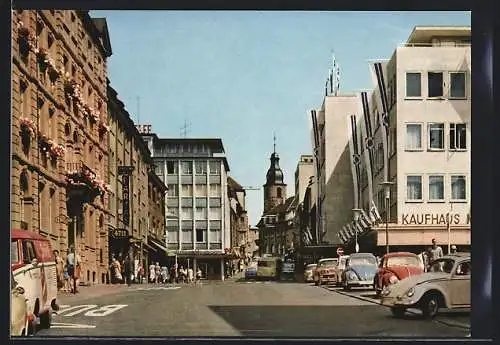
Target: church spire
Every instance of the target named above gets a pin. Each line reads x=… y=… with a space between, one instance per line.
x=274 y=142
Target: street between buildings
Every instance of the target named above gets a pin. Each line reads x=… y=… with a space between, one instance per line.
x=245 y=309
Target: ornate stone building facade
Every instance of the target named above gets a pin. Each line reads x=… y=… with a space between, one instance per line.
x=59 y=125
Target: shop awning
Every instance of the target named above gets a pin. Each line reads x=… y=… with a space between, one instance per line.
x=161 y=247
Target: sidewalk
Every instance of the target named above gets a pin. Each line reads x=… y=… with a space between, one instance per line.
x=91 y=291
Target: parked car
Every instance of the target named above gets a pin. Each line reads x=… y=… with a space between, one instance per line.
x=359 y=271
x=445 y=285
x=19 y=324
x=308 y=273
x=325 y=271
x=394 y=267
x=339 y=269
x=34 y=268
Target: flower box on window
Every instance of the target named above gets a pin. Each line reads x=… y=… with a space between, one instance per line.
x=28 y=127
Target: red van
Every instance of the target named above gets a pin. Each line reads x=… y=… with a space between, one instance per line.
x=34 y=269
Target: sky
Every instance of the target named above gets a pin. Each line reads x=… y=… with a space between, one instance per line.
x=242 y=75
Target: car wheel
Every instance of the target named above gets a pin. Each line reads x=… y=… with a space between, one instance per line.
x=398 y=311
x=347 y=287
x=46 y=319
x=430 y=305
x=316 y=283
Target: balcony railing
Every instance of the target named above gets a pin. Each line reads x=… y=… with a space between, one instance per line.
x=80 y=167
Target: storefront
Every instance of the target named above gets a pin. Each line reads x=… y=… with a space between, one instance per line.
x=211 y=263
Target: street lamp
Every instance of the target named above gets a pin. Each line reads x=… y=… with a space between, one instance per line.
x=357 y=213
x=387 y=191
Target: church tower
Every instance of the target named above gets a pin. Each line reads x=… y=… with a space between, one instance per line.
x=275 y=188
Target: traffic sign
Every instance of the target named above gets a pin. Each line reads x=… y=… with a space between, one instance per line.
x=340 y=251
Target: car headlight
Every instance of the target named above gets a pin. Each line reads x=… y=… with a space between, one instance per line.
x=351 y=276
x=393 y=279
x=410 y=292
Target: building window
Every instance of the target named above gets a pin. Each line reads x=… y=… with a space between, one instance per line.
x=413 y=85
x=200 y=190
x=458 y=136
x=457 y=85
x=215 y=236
x=201 y=167
x=201 y=213
x=172 y=168
x=173 y=232
x=173 y=190
x=187 y=235
x=413 y=136
x=214 y=167
x=187 y=167
x=436 y=136
x=187 y=190
x=187 y=213
x=278 y=192
x=458 y=187
x=201 y=235
x=414 y=188
x=215 y=213
x=436 y=188
x=435 y=81
x=215 y=190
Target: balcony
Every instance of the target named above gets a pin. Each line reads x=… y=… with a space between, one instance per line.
x=82 y=183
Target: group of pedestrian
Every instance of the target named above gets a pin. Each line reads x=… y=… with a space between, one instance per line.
x=163 y=275
x=68 y=271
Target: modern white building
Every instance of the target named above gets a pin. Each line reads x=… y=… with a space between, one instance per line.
x=198 y=209
x=426 y=151
x=303 y=173
x=335 y=197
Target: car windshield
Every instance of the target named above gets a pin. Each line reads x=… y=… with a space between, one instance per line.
x=403 y=261
x=442 y=265
x=331 y=262
x=266 y=263
x=366 y=260
x=310 y=267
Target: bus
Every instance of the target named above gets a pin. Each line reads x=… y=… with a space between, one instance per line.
x=268 y=268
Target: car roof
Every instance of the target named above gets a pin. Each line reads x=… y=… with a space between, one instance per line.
x=362 y=255
x=327 y=259
x=25 y=234
x=390 y=255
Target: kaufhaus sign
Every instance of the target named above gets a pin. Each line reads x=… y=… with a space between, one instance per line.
x=434 y=219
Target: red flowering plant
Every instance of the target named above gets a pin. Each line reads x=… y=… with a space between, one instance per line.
x=57 y=150
x=88 y=179
x=94 y=115
x=69 y=84
x=28 y=127
x=26 y=35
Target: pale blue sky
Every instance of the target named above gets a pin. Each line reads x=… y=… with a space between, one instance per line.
x=239 y=75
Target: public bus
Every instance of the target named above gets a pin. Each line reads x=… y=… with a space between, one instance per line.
x=268 y=268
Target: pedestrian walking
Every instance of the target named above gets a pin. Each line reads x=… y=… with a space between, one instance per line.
x=190 y=275
x=157 y=273
x=67 y=280
x=116 y=271
x=152 y=273
x=127 y=272
x=436 y=251
x=164 y=274
x=73 y=263
x=140 y=274
x=198 y=276
x=59 y=270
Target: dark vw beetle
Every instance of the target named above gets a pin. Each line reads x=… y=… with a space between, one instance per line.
x=359 y=271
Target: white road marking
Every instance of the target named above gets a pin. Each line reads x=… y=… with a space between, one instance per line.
x=105 y=310
x=79 y=309
x=70 y=325
x=62 y=306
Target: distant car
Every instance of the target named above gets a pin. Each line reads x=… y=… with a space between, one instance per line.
x=445 y=285
x=339 y=269
x=394 y=267
x=325 y=271
x=360 y=271
x=250 y=273
x=308 y=273
x=19 y=322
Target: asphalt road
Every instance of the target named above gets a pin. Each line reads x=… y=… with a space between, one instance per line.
x=248 y=309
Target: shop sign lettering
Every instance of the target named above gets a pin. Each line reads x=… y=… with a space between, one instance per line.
x=434 y=219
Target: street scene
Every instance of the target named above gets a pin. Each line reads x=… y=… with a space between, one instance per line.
x=248 y=309
x=240 y=173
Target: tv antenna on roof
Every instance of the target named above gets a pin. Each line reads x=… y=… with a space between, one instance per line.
x=186 y=129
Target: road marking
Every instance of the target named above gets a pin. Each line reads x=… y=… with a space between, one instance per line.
x=105 y=310
x=91 y=310
x=70 y=325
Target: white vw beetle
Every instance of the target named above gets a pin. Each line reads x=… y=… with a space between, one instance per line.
x=446 y=285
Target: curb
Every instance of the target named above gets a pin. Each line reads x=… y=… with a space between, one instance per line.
x=444 y=322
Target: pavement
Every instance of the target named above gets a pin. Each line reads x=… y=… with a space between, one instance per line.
x=235 y=308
